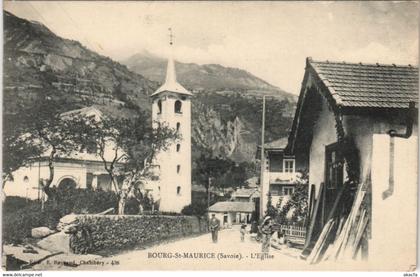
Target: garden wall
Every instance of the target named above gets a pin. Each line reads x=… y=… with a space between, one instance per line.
x=105 y=234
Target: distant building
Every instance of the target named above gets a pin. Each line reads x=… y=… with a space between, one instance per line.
x=279 y=176
x=230 y=213
x=82 y=170
x=172 y=106
x=246 y=195
x=252 y=182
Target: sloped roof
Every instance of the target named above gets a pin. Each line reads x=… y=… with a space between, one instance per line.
x=277 y=144
x=369 y=85
x=87 y=111
x=226 y=206
x=244 y=192
x=354 y=88
x=171 y=84
x=252 y=182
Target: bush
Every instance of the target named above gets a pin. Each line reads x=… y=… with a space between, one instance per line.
x=20 y=215
x=74 y=200
x=18 y=220
x=110 y=233
x=198 y=208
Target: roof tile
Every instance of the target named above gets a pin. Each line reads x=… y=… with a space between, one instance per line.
x=369 y=85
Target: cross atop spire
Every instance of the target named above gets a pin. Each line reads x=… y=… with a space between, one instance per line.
x=171 y=37
x=171 y=84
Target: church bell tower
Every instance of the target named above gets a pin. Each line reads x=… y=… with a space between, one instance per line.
x=172 y=107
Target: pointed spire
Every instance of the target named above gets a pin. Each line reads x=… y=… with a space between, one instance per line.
x=171 y=84
x=170 y=70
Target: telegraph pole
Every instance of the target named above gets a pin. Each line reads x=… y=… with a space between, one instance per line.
x=262 y=160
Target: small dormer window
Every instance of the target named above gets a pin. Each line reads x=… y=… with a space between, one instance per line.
x=159 y=104
x=178 y=106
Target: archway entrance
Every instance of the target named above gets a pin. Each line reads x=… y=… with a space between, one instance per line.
x=67 y=184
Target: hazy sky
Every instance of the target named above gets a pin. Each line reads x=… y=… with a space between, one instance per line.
x=269 y=39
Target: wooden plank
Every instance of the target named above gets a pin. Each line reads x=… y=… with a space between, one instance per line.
x=353 y=215
x=313 y=218
x=312 y=258
x=340 y=242
x=337 y=200
x=359 y=236
x=354 y=211
x=311 y=205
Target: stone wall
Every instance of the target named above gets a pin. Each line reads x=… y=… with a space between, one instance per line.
x=105 y=234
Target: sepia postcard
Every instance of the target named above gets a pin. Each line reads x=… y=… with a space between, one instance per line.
x=210 y=136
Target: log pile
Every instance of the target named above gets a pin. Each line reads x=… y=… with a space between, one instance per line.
x=341 y=237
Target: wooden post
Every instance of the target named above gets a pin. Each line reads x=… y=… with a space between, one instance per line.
x=262 y=161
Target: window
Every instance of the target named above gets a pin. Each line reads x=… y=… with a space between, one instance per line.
x=178 y=190
x=288 y=191
x=178 y=147
x=26 y=179
x=289 y=165
x=178 y=106
x=159 y=104
x=178 y=168
x=178 y=126
x=275 y=189
x=275 y=162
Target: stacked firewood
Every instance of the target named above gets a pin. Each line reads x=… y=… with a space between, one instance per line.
x=341 y=237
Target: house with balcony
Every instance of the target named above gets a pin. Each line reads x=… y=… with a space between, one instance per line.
x=280 y=173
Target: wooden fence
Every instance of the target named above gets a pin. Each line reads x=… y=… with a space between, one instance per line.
x=294 y=234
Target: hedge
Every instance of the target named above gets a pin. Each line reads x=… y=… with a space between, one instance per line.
x=21 y=215
x=106 y=234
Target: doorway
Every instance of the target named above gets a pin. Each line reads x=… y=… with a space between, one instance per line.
x=334 y=166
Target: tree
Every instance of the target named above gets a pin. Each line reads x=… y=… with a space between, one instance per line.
x=209 y=169
x=127 y=148
x=18 y=151
x=298 y=202
x=47 y=132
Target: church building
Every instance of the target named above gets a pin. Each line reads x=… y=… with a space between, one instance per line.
x=172 y=108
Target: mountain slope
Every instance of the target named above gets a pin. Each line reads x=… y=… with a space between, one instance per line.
x=226 y=112
x=207 y=77
x=38 y=61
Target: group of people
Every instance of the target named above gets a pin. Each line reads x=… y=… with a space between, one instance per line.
x=265 y=229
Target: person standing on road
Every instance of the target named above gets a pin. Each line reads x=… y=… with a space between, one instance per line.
x=243 y=232
x=266 y=232
x=214 y=227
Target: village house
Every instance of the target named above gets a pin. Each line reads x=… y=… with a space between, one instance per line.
x=355 y=129
x=246 y=195
x=280 y=173
x=230 y=213
x=81 y=170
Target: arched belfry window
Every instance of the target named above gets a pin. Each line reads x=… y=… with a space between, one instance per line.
x=178 y=106
x=159 y=104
